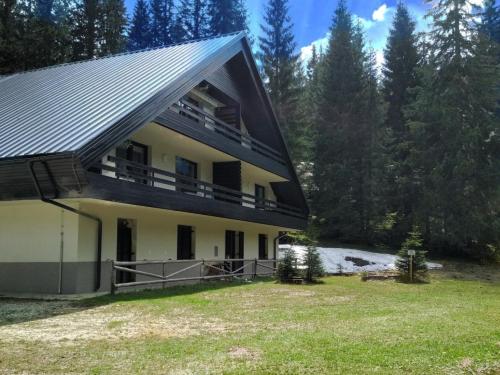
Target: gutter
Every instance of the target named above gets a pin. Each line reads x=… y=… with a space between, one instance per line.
x=36 y=182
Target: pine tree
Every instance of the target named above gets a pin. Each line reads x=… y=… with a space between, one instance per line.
x=10 y=34
x=140 y=28
x=287 y=266
x=313 y=265
x=399 y=78
x=227 y=16
x=195 y=18
x=344 y=136
x=418 y=264
x=490 y=20
x=281 y=70
x=113 y=24
x=456 y=137
x=162 y=22
x=45 y=35
x=85 y=30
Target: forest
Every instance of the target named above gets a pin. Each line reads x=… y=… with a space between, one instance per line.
x=412 y=146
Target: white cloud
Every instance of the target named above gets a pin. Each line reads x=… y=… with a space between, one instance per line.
x=320 y=44
x=379 y=13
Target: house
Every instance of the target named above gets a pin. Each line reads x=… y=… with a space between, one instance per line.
x=169 y=153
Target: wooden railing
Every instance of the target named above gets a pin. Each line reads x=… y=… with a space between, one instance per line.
x=168 y=271
x=136 y=172
x=215 y=124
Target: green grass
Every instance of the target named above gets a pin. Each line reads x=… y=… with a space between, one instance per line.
x=343 y=325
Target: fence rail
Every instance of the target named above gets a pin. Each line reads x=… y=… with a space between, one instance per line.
x=139 y=173
x=189 y=270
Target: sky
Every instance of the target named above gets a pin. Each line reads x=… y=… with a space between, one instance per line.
x=312 y=20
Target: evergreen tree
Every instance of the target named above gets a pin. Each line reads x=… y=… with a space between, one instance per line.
x=113 y=24
x=45 y=33
x=287 y=266
x=227 y=16
x=313 y=265
x=399 y=78
x=490 y=20
x=10 y=34
x=140 y=36
x=456 y=137
x=281 y=70
x=162 y=22
x=85 y=31
x=344 y=140
x=418 y=264
x=195 y=20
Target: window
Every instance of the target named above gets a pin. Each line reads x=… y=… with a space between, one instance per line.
x=189 y=169
x=260 y=196
x=185 y=242
x=263 y=246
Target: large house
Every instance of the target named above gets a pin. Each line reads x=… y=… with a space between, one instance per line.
x=169 y=153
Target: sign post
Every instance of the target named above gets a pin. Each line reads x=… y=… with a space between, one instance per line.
x=411 y=254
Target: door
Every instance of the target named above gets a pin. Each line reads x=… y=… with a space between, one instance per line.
x=260 y=197
x=136 y=153
x=235 y=242
x=124 y=249
x=185 y=248
x=263 y=246
x=227 y=174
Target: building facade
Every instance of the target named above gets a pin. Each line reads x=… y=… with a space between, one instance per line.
x=166 y=154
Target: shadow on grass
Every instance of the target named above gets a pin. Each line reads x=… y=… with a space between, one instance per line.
x=13 y=310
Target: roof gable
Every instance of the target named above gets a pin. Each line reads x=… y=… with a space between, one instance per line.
x=62 y=108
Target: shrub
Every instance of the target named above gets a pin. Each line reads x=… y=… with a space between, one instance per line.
x=287 y=267
x=313 y=265
x=419 y=265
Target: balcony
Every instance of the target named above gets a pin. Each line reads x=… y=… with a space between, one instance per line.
x=141 y=175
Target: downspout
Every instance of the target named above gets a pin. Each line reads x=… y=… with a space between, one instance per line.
x=71 y=209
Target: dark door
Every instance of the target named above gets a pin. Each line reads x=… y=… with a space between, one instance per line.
x=235 y=242
x=262 y=246
x=260 y=197
x=185 y=242
x=228 y=175
x=124 y=251
x=136 y=153
x=188 y=168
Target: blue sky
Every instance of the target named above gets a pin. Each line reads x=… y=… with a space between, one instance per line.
x=312 y=19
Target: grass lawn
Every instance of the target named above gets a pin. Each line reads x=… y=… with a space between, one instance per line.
x=343 y=325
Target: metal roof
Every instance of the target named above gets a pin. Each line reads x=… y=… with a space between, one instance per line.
x=61 y=108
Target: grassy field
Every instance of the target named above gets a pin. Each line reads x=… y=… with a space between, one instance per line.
x=450 y=326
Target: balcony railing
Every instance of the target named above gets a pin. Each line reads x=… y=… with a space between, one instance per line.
x=215 y=124
x=139 y=173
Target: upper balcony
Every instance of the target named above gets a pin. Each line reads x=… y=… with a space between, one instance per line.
x=191 y=120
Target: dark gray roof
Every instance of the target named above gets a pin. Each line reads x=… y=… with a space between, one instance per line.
x=61 y=108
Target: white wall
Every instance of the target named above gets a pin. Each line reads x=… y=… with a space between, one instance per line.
x=30 y=231
x=157 y=232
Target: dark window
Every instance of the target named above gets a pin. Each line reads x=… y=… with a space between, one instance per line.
x=260 y=196
x=185 y=242
x=138 y=154
x=189 y=169
x=263 y=246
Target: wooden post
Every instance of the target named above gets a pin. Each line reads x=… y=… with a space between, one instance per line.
x=255 y=269
x=113 y=276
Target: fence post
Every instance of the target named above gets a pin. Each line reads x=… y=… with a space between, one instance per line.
x=202 y=267
x=255 y=269
x=113 y=276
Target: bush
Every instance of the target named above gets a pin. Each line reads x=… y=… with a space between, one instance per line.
x=313 y=265
x=287 y=267
x=419 y=265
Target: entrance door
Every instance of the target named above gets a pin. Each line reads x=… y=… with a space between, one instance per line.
x=235 y=248
x=124 y=249
x=262 y=246
x=185 y=242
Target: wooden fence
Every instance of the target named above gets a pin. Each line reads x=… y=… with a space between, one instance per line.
x=188 y=270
